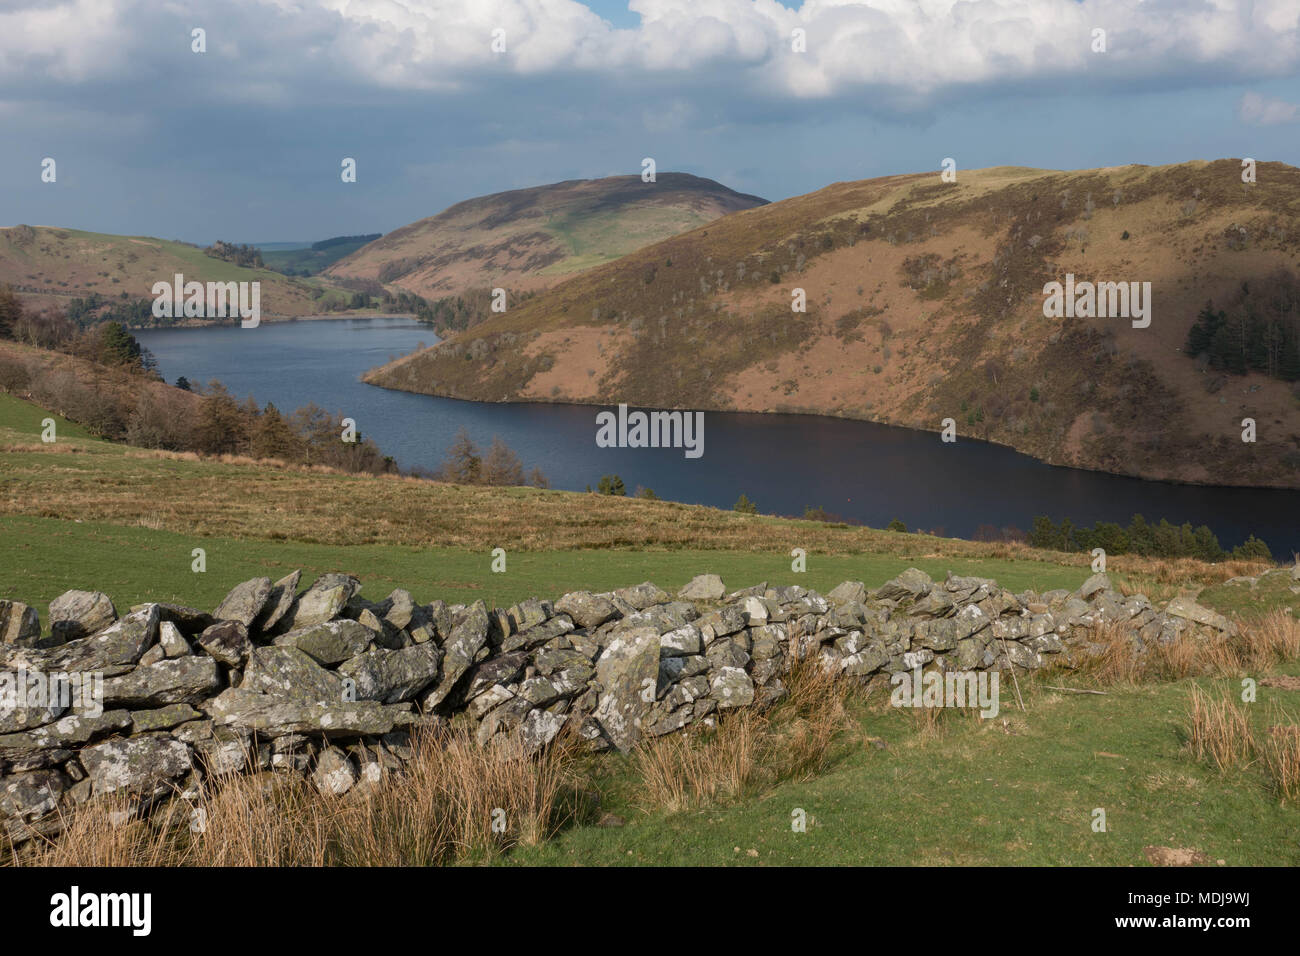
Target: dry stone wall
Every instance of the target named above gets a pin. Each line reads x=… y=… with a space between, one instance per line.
x=323 y=682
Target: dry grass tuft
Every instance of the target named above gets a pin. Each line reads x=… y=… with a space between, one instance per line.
x=1219 y=731
x=1261 y=643
x=749 y=751
x=1280 y=752
x=453 y=800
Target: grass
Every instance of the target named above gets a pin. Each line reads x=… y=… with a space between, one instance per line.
x=42 y=557
x=1015 y=790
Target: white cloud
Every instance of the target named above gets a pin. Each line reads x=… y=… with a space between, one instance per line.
x=1258 y=110
x=904 y=51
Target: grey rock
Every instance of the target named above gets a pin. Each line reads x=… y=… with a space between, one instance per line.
x=1187 y=608
x=138 y=765
x=114 y=649
x=682 y=642
x=28 y=796
x=290 y=674
x=335 y=773
x=20 y=624
x=401 y=608
x=322 y=602
x=278 y=604
x=627 y=671
x=172 y=642
x=732 y=687
x=68 y=731
x=849 y=592
x=245 y=602
x=911 y=585
x=703 y=587
x=466 y=640
x=227 y=642
x=537 y=634
x=78 y=614
x=330 y=642
x=586 y=609
x=1094 y=585
x=642 y=595
x=538 y=729
x=392 y=676
x=163 y=718
x=184 y=680
x=269 y=716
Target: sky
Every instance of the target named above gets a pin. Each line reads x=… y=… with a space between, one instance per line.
x=244 y=141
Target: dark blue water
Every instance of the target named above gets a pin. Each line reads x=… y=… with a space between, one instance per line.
x=858 y=470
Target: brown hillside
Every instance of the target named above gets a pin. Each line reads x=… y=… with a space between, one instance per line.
x=925 y=302
x=529 y=239
x=49 y=266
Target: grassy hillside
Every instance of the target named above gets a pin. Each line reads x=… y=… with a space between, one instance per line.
x=50 y=265
x=528 y=239
x=308 y=259
x=925 y=302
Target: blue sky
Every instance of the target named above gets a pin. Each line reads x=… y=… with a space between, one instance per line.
x=244 y=141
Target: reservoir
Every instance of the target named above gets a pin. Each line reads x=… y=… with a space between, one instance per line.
x=861 y=471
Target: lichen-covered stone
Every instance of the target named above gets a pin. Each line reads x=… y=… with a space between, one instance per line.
x=586 y=609
x=628 y=672
x=248 y=710
x=245 y=602
x=138 y=765
x=183 y=680
x=78 y=614
x=331 y=642
x=392 y=676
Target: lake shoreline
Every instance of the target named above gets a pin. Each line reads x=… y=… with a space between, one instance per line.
x=861 y=471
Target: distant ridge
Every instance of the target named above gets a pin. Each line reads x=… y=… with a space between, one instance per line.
x=529 y=239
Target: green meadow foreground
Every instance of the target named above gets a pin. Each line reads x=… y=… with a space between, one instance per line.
x=875 y=784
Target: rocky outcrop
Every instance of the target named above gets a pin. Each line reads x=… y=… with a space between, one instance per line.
x=331 y=685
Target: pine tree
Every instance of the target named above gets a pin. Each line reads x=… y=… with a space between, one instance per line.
x=11 y=311
x=117 y=346
x=274 y=438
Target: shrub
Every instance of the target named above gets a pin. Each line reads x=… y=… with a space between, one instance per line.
x=611 y=485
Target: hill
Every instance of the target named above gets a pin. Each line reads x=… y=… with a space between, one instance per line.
x=50 y=266
x=304 y=260
x=529 y=239
x=925 y=301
